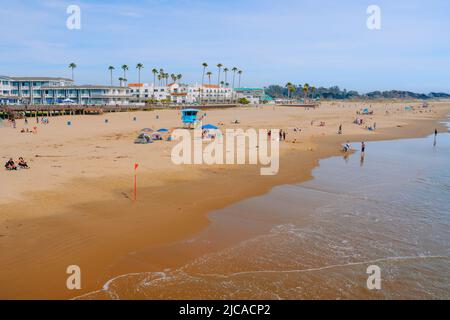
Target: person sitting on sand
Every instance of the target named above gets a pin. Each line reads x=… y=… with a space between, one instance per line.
x=10 y=165
x=22 y=164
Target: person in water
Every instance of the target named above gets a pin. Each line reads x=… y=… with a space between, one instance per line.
x=363 y=148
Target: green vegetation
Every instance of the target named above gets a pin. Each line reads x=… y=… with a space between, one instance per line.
x=311 y=92
x=243 y=101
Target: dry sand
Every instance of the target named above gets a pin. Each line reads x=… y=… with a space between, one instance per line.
x=74 y=206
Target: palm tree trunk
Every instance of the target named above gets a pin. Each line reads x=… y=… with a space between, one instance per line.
x=203 y=83
x=232 y=92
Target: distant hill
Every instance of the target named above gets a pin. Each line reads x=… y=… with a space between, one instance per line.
x=279 y=92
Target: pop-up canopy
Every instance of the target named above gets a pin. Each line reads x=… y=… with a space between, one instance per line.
x=209 y=127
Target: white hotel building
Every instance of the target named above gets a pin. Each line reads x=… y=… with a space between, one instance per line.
x=54 y=91
x=180 y=93
x=50 y=91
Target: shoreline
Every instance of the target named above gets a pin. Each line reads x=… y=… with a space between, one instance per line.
x=169 y=207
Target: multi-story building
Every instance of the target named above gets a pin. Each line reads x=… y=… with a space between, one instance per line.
x=180 y=93
x=5 y=90
x=253 y=95
x=49 y=91
x=46 y=90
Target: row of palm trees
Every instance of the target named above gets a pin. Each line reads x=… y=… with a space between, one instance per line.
x=306 y=89
x=163 y=77
x=220 y=83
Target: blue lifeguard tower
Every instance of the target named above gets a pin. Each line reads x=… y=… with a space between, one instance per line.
x=189 y=117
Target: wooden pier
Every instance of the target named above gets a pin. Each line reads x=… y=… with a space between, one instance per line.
x=20 y=111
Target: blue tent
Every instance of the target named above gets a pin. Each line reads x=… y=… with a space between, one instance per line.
x=163 y=130
x=209 y=126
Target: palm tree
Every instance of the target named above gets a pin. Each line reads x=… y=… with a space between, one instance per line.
x=240 y=73
x=209 y=74
x=179 y=76
x=205 y=65
x=155 y=72
x=219 y=66
x=72 y=66
x=222 y=83
x=111 y=69
x=120 y=81
x=139 y=66
x=173 y=77
x=234 y=76
x=225 y=70
x=305 y=90
x=159 y=79
x=124 y=68
x=288 y=86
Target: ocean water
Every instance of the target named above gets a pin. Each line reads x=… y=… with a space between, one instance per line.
x=315 y=240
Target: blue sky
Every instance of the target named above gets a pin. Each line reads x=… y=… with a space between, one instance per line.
x=322 y=42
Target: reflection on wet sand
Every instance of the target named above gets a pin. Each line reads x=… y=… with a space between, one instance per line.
x=316 y=240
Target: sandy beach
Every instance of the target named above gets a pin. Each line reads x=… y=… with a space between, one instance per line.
x=74 y=205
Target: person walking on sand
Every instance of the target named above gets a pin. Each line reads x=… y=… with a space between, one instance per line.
x=284 y=135
x=340 y=129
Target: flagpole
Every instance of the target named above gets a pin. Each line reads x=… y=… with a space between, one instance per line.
x=135 y=181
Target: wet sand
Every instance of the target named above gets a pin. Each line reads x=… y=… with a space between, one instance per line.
x=82 y=213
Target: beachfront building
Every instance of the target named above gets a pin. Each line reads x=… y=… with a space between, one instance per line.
x=5 y=90
x=49 y=91
x=176 y=93
x=253 y=95
x=143 y=92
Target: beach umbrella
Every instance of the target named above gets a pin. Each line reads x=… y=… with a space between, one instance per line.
x=209 y=127
x=147 y=130
x=163 y=130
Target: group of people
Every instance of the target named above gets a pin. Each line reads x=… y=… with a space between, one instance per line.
x=21 y=164
x=34 y=130
x=346 y=148
x=358 y=121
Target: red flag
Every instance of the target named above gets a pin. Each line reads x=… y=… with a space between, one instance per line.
x=136 y=166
